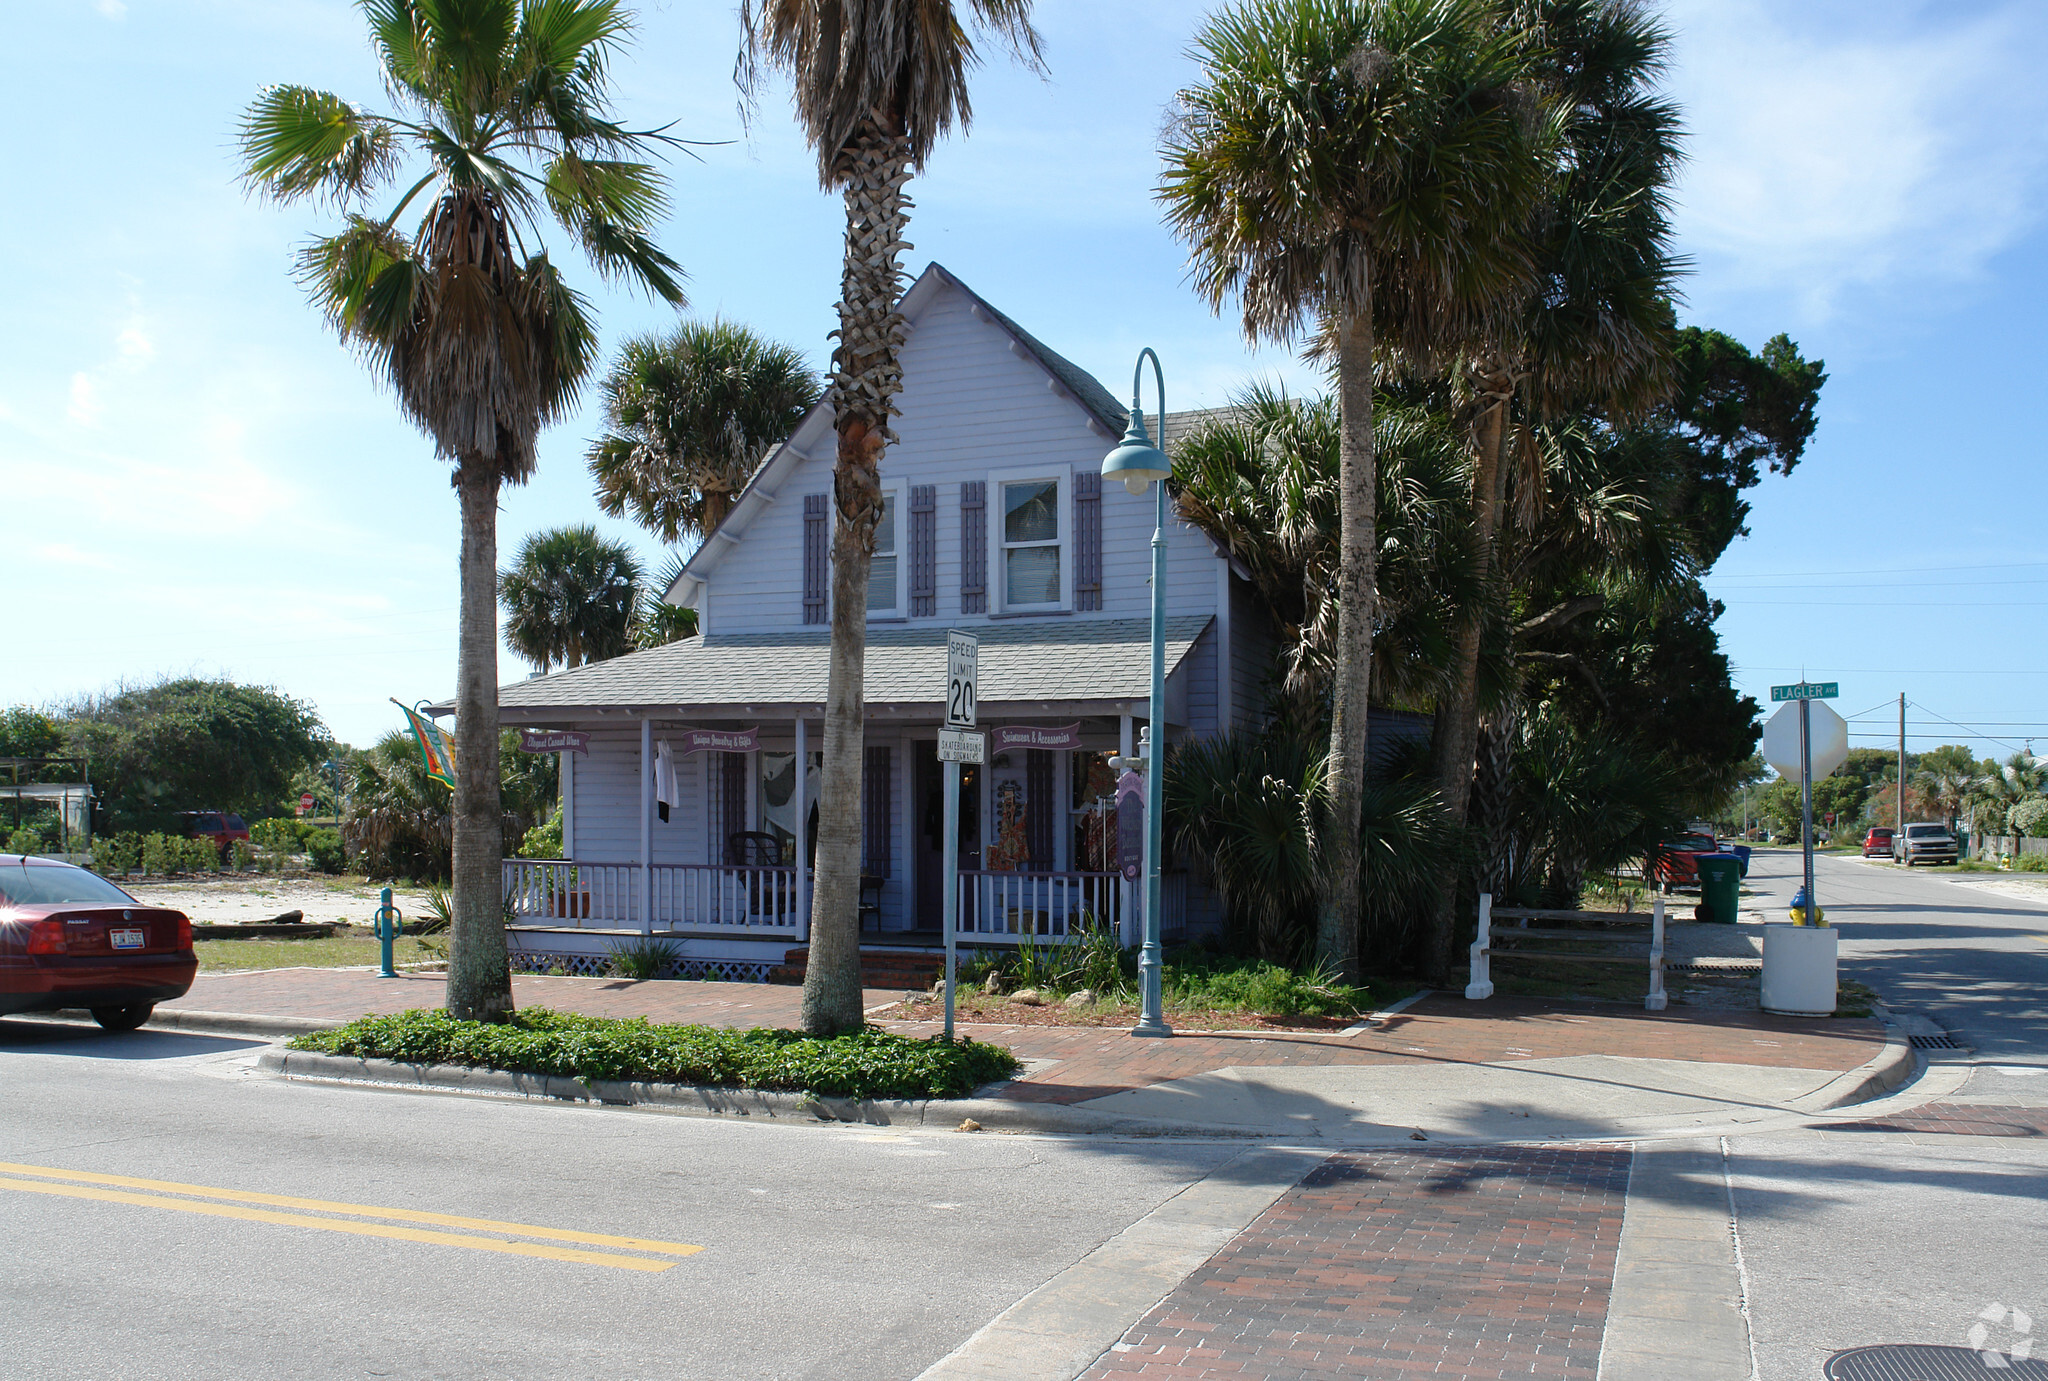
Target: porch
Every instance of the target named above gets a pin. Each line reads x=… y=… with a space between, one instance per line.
x=769 y=903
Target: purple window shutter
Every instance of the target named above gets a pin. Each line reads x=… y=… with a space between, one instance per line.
x=816 y=563
x=973 y=547
x=876 y=815
x=924 y=550
x=1087 y=540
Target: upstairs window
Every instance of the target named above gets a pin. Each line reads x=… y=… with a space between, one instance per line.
x=884 y=596
x=1031 y=544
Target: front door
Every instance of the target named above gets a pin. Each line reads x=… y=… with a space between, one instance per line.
x=928 y=781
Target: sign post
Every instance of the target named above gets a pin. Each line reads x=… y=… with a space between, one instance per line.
x=1807 y=757
x=958 y=743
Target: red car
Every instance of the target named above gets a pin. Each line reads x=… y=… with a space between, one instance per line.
x=1676 y=864
x=1878 y=843
x=217 y=827
x=69 y=938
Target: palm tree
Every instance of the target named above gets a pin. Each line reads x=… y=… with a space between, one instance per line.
x=876 y=83
x=1373 y=165
x=660 y=623
x=1949 y=778
x=468 y=318
x=571 y=597
x=1594 y=330
x=688 y=416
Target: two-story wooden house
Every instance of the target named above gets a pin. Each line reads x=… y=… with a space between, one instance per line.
x=686 y=813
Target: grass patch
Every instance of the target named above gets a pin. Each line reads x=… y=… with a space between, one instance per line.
x=1197 y=982
x=868 y=1063
x=1853 y=999
x=334 y=952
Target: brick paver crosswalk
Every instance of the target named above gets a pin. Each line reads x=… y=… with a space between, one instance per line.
x=1465 y=1263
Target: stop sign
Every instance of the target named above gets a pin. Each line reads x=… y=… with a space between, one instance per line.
x=306 y=803
x=1830 y=747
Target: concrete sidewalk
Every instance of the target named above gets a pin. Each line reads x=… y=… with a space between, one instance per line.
x=1509 y=1069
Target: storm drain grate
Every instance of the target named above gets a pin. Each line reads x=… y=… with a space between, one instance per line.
x=1714 y=968
x=1927 y=1362
x=1935 y=1042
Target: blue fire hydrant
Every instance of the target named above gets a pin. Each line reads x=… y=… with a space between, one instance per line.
x=387 y=925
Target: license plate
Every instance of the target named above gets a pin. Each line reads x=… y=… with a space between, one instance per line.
x=126 y=939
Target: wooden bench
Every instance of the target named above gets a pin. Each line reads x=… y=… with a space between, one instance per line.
x=1509 y=941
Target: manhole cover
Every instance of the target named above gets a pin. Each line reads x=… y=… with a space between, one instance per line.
x=1926 y=1362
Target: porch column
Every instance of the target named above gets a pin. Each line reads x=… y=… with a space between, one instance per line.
x=803 y=829
x=646 y=824
x=567 y=777
x=1126 y=908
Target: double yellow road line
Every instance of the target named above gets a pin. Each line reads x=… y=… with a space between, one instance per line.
x=232 y=1203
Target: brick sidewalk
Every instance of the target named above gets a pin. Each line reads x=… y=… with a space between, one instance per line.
x=1088 y=1062
x=1484 y=1263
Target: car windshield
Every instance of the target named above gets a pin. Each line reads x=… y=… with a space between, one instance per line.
x=57 y=884
x=1925 y=831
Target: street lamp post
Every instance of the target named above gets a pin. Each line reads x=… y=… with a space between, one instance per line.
x=1138 y=463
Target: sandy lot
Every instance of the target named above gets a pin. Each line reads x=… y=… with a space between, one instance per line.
x=242 y=900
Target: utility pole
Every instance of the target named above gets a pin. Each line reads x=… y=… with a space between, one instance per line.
x=1902 y=768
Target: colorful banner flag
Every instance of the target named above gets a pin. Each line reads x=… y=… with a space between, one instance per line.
x=436 y=754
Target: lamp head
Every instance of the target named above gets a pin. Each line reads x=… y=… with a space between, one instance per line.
x=1136 y=461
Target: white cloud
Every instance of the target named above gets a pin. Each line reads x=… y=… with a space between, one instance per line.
x=85 y=405
x=112 y=9
x=1838 y=151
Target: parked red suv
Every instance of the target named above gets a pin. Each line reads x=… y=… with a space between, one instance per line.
x=1878 y=843
x=1677 y=863
x=69 y=938
x=219 y=827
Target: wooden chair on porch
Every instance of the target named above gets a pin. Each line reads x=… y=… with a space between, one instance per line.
x=757 y=849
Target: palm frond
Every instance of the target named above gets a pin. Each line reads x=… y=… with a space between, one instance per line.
x=297 y=142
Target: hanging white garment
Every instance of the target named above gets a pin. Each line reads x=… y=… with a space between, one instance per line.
x=664 y=780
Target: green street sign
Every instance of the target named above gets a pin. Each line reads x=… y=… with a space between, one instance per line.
x=1807 y=690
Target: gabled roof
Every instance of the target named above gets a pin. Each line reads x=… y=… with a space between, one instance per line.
x=814 y=435
x=1038 y=660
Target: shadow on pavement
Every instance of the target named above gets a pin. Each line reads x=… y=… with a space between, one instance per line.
x=31 y=1035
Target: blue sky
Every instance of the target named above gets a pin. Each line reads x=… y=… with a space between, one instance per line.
x=195 y=477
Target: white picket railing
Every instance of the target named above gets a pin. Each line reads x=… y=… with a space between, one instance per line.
x=1003 y=907
x=682 y=896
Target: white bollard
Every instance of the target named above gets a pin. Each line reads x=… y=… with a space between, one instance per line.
x=1657 y=1001
x=1481 y=985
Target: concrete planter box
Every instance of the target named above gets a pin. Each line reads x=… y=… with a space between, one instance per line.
x=1799 y=969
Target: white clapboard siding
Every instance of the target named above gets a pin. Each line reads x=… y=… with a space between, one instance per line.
x=607 y=817
x=970 y=407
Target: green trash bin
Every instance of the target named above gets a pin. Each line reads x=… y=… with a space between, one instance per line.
x=1720 y=887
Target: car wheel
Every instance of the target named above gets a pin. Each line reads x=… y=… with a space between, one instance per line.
x=123 y=1018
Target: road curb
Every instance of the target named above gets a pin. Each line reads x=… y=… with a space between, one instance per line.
x=1875 y=1077
x=993 y=1114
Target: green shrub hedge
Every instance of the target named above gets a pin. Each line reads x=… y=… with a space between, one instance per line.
x=868 y=1063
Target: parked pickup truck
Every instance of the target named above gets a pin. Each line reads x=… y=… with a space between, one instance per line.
x=1924 y=844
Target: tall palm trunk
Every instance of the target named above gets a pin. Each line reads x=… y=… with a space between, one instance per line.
x=865 y=378
x=1337 y=929
x=479 y=976
x=1457 y=719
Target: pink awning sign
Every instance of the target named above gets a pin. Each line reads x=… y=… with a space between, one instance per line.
x=553 y=741
x=719 y=740
x=1034 y=736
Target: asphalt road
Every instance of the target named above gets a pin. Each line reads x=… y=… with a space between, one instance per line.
x=1853 y=1238
x=826 y=1252
x=1972 y=960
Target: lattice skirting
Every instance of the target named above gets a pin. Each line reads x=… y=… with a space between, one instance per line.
x=599 y=966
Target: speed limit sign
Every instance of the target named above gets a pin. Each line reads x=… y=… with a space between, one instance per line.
x=962 y=651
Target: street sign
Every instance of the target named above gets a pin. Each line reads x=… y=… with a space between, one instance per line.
x=1830 y=740
x=962 y=653
x=961 y=745
x=306 y=803
x=1808 y=690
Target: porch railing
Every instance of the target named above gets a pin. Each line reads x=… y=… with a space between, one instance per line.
x=1004 y=907
x=682 y=896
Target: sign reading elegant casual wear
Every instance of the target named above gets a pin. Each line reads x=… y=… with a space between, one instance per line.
x=718 y=740
x=1808 y=690
x=553 y=741
x=961 y=745
x=1032 y=736
x=962 y=653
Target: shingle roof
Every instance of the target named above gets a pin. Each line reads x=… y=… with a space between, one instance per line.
x=1039 y=659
